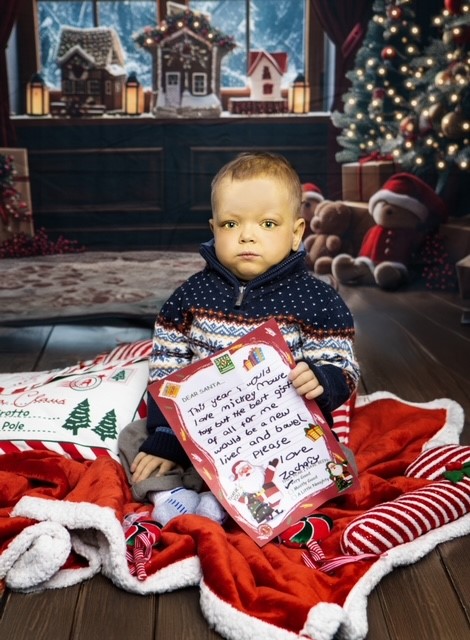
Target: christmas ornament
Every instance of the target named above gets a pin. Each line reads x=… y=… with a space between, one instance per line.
x=453 y=6
x=451 y=125
x=394 y=13
x=443 y=78
x=307 y=533
x=424 y=123
x=389 y=53
x=435 y=114
x=408 y=127
x=461 y=72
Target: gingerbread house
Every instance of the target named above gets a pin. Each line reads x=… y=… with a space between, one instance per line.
x=92 y=66
x=265 y=73
x=187 y=53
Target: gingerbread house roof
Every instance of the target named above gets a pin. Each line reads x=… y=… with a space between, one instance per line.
x=278 y=60
x=195 y=23
x=99 y=45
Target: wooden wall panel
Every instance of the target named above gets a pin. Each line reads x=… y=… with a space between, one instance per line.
x=144 y=183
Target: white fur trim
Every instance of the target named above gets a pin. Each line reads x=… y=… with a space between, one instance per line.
x=98 y=535
x=314 y=195
x=237 y=625
x=401 y=200
x=34 y=556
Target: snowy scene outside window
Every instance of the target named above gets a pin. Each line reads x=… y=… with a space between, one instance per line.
x=272 y=25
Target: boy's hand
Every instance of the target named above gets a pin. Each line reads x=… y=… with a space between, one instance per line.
x=305 y=382
x=144 y=465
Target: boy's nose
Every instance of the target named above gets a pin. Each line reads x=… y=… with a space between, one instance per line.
x=246 y=234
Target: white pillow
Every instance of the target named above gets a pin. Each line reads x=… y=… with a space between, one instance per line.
x=78 y=411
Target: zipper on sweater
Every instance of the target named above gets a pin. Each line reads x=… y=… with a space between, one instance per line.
x=241 y=293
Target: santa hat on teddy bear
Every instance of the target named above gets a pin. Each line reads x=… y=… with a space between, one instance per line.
x=410 y=192
x=312 y=192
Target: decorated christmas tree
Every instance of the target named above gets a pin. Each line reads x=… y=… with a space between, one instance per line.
x=379 y=97
x=79 y=417
x=434 y=140
x=107 y=427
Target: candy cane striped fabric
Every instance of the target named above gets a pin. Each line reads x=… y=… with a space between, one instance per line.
x=408 y=517
x=132 y=351
x=342 y=418
x=432 y=463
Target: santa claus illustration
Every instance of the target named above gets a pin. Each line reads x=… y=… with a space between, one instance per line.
x=339 y=473
x=259 y=492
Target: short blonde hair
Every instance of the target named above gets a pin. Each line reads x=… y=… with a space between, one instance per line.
x=255 y=164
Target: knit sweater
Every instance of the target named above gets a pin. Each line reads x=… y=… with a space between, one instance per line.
x=212 y=309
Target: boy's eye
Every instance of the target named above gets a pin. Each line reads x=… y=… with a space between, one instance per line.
x=229 y=225
x=269 y=224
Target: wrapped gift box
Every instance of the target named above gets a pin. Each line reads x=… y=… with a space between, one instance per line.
x=314 y=432
x=22 y=186
x=361 y=180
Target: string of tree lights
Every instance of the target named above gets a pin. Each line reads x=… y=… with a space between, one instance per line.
x=436 y=133
x=380 y=94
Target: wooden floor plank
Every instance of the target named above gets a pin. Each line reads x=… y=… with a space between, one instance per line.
x=43 y=616
x=180 y=617
x=455 y=555
x=408 y=362
x=420 y=599
x=105 y=612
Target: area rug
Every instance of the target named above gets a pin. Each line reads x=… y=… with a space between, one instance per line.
x=91 y=284
x=61 y=522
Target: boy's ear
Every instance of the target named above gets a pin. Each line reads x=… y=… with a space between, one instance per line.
x=299 y=226
x=211 y=224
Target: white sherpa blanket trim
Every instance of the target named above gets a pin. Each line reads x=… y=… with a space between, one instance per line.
x=96 y=534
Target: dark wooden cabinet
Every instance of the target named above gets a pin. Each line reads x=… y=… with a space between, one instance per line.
x=144 y=183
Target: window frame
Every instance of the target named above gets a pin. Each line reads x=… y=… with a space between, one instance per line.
x=315 y=72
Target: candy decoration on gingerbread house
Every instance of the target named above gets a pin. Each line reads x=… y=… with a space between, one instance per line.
x=187 y=53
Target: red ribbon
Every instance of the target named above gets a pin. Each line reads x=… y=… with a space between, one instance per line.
x=375 y=156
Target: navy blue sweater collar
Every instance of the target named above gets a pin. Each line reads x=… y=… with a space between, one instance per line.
x=293 y=263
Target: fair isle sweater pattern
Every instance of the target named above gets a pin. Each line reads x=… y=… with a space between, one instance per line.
x=212 y=309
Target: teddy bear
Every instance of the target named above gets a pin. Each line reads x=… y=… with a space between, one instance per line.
x=335 y=227
x=404 y=210
x=311 y=197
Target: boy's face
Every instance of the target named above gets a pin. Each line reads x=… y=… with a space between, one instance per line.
x=254 y=225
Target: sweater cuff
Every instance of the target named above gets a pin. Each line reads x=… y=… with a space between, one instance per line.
x=164 y=444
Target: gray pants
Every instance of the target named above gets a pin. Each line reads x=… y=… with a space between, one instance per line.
x=129 y=441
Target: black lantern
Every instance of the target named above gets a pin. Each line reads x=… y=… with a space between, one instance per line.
x=37 y=96
x=133 y=96
x=298 y=95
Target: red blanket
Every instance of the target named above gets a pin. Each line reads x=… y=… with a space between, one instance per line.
x=61 y=522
